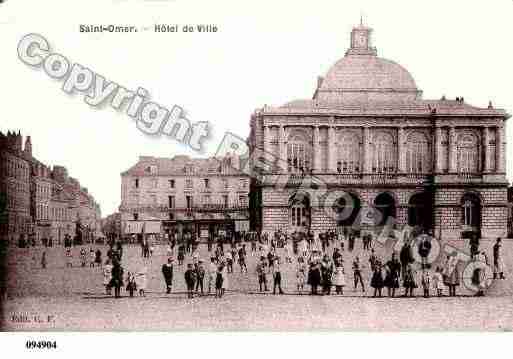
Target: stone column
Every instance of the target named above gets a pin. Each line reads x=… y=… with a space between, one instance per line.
x=283 y=149
x=316 y=158
x=366 y=157
x=486 y=141
x=401 y=163
x=452 y=150
x=437 y=153
x=499 y=149
x=267 y=147
x=331 y=150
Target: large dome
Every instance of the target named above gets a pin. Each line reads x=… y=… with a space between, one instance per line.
x=362 y=76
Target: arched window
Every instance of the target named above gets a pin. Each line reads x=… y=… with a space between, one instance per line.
x=471 y=211
x=299 y=156
x=299 y=212
x=468 y=153
x=348 y=154
x=417 y=153
x=384 y=157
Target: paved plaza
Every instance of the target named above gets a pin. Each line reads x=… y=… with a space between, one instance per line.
x=74 y=299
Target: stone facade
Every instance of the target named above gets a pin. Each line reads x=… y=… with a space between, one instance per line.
x=163 y=194
x=42 y=203
x=368 y=134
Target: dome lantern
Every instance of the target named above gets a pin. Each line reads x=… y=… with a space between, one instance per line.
x=362 y=76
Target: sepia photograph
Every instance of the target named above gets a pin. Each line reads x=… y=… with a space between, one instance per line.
x=270 y=166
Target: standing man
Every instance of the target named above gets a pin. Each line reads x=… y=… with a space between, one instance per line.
x=261 y=272
x=200 y=276
x=190 y=280
x=498 y=263
x=117 y=278
x=167 y=271
x=277 y=276
x=357 y=272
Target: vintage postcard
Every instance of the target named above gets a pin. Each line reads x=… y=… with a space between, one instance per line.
x=255 y=166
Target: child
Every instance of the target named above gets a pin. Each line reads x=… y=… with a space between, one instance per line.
x=131 y=287
x=141 y=281
x=69 y=256
x=190 y=280
x=438 y=281
x=409 y=281
x=107 y=276
x=229 y=261
x=92 y=257
x=339 y=278
x=83 y=257
x=426 y=281
x=300 y=274
x=377 y=281
x=181 y=254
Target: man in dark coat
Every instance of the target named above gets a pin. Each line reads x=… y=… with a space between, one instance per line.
x=190 y=280
x=405 y=256
x=314 y=277
x=167 y=271
x=117 y=278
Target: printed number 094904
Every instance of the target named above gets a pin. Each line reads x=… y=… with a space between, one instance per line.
x=32 y=344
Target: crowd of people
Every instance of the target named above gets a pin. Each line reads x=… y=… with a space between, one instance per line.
x=322 y=266
x=317 y=262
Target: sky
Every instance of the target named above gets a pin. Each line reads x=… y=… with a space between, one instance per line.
x=264 y=52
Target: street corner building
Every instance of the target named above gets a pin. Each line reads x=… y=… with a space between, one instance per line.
x=39 y=204
x=205 y=197
x=367 y=131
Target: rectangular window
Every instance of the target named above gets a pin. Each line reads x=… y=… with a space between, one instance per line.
x=171 y=201
x=172 y=183
x=136 y=216
x=188 y=199
x=225 y=200
x=243 y=201
x=136 y=183
x=188 y=183
x=207 y=184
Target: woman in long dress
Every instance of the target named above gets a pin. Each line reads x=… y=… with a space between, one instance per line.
x=451 y=274
x=339 y=278
x=224 y=274
x=107 y=276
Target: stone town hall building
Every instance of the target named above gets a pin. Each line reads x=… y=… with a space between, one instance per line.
x=439 y=164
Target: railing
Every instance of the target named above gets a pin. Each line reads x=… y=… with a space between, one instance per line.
x=469 y=175
x=196 y=208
